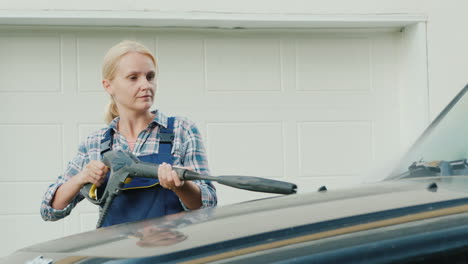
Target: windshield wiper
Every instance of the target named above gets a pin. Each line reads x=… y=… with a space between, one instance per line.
x=434 y=168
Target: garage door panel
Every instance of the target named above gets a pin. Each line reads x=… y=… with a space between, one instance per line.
x=16 y=200
x=36 y=156
x=254 y=148
x=181 y=65
x=336 y=64
x=69 y=63
x=35 y=60
x=237 y=65
x=335 y=148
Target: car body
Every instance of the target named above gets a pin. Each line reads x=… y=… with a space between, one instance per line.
x=418 y=214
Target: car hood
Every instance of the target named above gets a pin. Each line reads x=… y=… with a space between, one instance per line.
x=205 y=232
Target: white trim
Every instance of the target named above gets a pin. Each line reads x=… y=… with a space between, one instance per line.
x=413 y=84
x=205 y=19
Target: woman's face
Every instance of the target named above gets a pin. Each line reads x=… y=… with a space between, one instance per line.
x=134 y=85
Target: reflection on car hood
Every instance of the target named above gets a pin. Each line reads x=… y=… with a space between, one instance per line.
x=229 y=226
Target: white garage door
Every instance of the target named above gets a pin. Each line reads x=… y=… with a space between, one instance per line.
x=308 y=106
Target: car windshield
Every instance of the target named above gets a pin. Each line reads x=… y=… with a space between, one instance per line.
x=444 y=144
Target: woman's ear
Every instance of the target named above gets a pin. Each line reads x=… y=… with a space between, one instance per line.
x=107 y=86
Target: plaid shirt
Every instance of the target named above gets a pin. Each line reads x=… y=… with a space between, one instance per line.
x=188 y=151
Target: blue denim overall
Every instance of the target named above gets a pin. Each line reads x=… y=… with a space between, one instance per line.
x=143 y=198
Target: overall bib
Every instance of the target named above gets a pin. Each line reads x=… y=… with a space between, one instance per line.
x=143 y=198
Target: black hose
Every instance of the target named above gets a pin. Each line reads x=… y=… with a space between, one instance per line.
x=105 y=209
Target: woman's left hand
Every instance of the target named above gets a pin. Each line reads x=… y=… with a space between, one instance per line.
x=189 y=193
x=168 y=178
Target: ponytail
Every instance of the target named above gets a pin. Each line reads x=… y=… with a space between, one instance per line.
x=111 y=112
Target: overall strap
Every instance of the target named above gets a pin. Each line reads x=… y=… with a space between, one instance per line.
x=166 y=139
x=106 y=142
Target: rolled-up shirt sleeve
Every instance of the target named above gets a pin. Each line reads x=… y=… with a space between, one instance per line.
x=208 y=194
x=195 y=158
x=48 y=213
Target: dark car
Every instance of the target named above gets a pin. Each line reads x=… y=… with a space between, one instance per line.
x=418 y=214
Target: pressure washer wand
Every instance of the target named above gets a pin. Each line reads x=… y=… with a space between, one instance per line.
x=256 y=184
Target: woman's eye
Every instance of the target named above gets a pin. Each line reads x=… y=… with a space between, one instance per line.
x=133 y=78
x=150 y=77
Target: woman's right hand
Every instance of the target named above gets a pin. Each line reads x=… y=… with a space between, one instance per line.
x=94 y=172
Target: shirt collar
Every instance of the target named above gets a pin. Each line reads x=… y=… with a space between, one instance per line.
x=159 y=119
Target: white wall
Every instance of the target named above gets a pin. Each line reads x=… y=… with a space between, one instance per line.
x=446 y=27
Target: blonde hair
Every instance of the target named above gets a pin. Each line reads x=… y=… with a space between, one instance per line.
x=111 y=63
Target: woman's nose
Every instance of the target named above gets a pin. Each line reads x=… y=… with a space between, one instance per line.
x=145 y=84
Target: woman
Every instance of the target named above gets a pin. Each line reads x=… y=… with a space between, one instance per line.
x=129 y=77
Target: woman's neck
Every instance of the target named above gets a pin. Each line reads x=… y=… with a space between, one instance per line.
x=130 y=125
